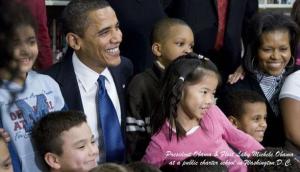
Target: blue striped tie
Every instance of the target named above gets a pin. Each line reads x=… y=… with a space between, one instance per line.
x=113 y=141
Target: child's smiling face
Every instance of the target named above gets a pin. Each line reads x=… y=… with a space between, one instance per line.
x=80 y=151
x=25 y=49
x=253 y=120
x=198 y=97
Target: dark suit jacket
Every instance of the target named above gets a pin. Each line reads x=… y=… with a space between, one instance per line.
x=63 y=73
x=202 y=16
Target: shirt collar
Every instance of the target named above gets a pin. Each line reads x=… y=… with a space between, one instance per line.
x=86 y=76
x=269 y=79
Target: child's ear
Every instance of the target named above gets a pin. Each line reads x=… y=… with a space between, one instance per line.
x=234 y=121
x=52 y=160
x=73 y=40
x=156 y=49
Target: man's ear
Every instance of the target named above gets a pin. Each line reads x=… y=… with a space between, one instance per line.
x=234 y=121
x=52 y=160
x=156 y=49
x=73 y=40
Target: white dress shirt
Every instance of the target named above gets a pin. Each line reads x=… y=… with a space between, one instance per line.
x=88 y=87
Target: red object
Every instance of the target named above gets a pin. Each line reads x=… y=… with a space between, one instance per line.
x=222 y=12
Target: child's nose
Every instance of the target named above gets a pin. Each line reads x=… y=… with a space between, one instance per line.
x=263 y=123
x=24 y=49
x=93 y=150
x=188 y=50
x=210 y=99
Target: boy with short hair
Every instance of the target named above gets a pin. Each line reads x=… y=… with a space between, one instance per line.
x=171 y=38
x=247 y=111
x=65 y=142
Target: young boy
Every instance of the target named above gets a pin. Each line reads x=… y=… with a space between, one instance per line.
x=171 y=38
x=5 y=161
x=247 y=111
x=65 y=142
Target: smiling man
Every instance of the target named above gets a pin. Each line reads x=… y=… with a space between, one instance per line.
x=93 y=77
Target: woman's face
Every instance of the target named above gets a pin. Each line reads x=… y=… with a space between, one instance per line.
x=274 y=52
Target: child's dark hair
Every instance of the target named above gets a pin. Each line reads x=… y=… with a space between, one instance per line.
x=12 y=16
x=142 y=167
x=273 y=160
x=189 y=69
x=161 y=28
x=266 y=22
x=46 y=133
x=233 y=102
x=109 y=167
x=202 y=164
x=75 y=14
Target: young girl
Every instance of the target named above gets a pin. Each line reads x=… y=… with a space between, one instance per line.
x=36 y=94
x=187 y=123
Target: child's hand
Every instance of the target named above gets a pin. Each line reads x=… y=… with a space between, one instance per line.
x=238 y=74
x=4 y=135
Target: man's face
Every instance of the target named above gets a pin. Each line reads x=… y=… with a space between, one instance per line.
x=99 y=45
x=80 y=151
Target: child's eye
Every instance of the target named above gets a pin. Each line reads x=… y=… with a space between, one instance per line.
x=192 y=46
x=256 y=118
x=81 y=147
x=93 y=141
x=32 y=42
x=7 y=165
x=180 y=44
x=117 y=27
x=203 y=91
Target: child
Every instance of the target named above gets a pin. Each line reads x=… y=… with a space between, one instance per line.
x=202 y=164
x=139 y=166
x=187 y=123
x=5 y=161
x=247 y=111
x=65 y=142
x=273 y=160
x=37 y=94
x=110 y=167
x=171 y=38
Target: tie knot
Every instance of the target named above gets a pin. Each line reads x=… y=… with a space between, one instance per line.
x=101 y=81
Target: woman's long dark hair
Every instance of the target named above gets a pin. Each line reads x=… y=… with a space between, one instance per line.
x=186 y=69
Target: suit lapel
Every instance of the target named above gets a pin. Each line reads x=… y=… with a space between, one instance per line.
x=69 y=86
x=119 y=83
